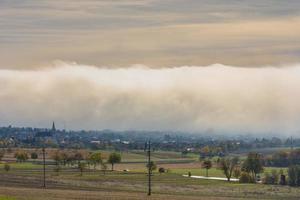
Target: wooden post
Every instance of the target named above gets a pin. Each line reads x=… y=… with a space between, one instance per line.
x=149 y=168
x=44 y=168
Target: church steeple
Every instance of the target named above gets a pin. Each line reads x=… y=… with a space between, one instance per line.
x=53 y=127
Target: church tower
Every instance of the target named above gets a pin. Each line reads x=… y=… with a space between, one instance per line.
x=53 y=128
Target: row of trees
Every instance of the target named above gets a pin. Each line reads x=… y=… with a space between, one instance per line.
x=279 y=177
x=248 y=170
x=284 y=158
x=20 y=155
x=231 y=166
x=81 y=158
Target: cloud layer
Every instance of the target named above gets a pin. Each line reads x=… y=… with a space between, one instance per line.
x=153 y=32
x=189 y=98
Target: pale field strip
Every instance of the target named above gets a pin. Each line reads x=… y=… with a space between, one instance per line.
x=213 y=178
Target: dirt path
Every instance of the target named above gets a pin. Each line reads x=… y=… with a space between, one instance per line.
x=212 y=178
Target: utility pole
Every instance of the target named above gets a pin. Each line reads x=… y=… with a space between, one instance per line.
x=44 y=168
x=148 y=147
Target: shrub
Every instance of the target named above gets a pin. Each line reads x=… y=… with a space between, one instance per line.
x=161 y=170
x=275 y=176
x=237 y=172
x=268 y=179
x=21 y=156
x=34 y=155
x=152 y=165
x=282 y=179
x=246 y=178
x=294 y=175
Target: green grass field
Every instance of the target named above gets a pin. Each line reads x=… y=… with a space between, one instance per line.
x=7 y=198
x=23 y=178
x=25 y=165
x=133 y=183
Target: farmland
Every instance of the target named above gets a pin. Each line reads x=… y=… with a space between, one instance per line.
x=24 y=181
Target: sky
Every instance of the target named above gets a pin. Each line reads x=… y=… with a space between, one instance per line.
x=155 y=33
x=188 y=65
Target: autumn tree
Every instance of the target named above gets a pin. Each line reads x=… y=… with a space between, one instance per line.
x=227 y=165
x=21 y=156
x=207 y=164
x=253 y=164
x=56 y=156
x=81 y=167
x=113 y=159
x=34 y=155
x=237 y=172
x=95 y=159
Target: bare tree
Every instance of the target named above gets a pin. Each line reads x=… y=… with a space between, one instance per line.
x=228 y=165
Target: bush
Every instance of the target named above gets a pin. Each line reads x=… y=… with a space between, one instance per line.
x=246 y=178
x=294 y=175
x=282 y=179
x=275 y=176
x=237 y=172
x=34 y=155
x=161 y=170
x=272 y=178
x=21 y=156
x=152 y=165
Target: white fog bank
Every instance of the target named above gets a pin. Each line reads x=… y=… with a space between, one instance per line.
x=194 y=98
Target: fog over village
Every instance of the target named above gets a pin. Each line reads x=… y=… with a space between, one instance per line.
x=226 y=99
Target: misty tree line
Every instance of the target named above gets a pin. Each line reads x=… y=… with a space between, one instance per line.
x=83 y=159
x=283 y=158
x=249 y=170
x=80 y=159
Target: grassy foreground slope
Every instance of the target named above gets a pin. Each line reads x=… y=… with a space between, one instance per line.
x=120 y=185
x=24 y=181
x=56 y=194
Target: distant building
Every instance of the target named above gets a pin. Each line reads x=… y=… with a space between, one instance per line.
x=47 y=133
x=95 y=142
x=53 y=127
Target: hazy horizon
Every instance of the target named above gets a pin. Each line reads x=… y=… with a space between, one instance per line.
x=188 y=98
